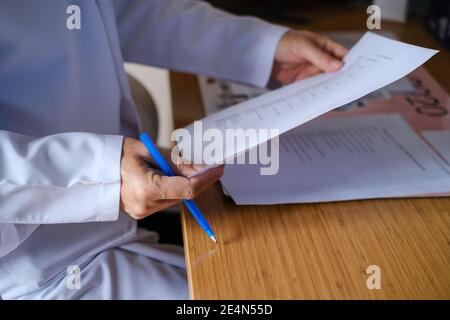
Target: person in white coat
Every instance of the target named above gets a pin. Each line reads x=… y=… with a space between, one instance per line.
x=71 y=185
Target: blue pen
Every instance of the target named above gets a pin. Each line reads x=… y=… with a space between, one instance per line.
x=167 y=170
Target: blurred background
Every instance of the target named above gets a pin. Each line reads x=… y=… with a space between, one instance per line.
x=434 y=14
x=299 y=10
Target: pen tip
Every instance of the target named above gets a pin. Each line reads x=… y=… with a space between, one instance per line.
x=213 y=238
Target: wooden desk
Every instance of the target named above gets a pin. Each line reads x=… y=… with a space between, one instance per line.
x=319 y=251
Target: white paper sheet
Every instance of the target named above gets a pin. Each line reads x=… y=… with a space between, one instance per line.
x=220 y=94
x=374 y=156
x=440 y=141
x=373 y=63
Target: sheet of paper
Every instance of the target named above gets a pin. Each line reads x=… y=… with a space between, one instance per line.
x=372 y=156
x=373 y=63
x=220 y=94
x=440 y=141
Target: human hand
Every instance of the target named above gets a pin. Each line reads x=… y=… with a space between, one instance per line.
x=145 y=190
x=302 y=54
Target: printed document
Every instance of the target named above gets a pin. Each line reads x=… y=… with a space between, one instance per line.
x=371 y=156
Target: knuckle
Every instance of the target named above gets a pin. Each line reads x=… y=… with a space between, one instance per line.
x=157 y=183
x=163 y=195
x=328 y=57
x=142 y=194
x=303 y=41
x=190 y=192
x=142 y=209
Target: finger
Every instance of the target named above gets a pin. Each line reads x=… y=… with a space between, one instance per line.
x=210 y=175
x=203 y=181
x=164 y=187
x=284 y=76
x=198 y=167
x=171 y=158
x=320 y=57
x=308 y=72
x=183 y=188
x=186 y=169
x=331 y=46
x=177 y=187
x=288 y=72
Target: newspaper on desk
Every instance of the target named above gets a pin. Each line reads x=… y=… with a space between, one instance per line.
x=392 y=144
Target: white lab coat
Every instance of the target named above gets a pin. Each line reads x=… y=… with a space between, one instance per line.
x=65 y=105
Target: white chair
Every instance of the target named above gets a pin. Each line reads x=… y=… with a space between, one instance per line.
x=150 y=88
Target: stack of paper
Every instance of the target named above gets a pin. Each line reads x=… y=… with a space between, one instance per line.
x=374 y=156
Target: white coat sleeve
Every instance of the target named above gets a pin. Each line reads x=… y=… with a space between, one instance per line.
x=63 y=178
x=192 y=36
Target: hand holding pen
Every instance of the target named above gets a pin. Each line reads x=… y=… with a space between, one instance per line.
x=146 y=190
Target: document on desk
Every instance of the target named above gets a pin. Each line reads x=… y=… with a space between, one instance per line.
x=374 y=62
x=372 y=156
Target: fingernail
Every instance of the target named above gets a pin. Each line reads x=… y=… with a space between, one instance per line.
x=336 y=64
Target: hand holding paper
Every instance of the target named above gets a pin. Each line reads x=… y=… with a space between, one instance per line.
x=374 y=62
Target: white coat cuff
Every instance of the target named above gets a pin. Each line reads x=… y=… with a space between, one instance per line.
x=109 y=199
x=265 y=53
